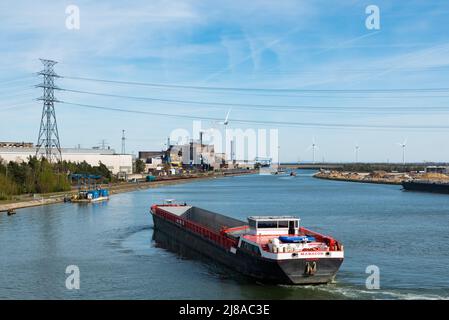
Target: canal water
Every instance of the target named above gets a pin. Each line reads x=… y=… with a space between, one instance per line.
x=404 y=234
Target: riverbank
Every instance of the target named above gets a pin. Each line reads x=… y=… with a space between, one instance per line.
x=10 y=206
x=379 y=177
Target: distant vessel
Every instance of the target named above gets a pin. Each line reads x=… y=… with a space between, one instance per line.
x=293 y=173
x=426 y=186
x=278 y=171
x=89 y=196
x=268 y=248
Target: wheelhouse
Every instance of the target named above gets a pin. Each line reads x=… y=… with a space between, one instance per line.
x=273 y=225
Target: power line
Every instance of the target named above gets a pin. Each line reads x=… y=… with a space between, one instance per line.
x=264 y=107
x=16 y=79
x=347 y=70
x=19 y=93
x=408 y=96
x=277 y=71
x=183 y=101
x=159 y=85
x=14 y=106
x=261 y=122
x=20 y=87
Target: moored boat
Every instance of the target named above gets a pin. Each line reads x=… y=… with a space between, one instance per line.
x=90 y=196
x=268 y=248
x=426 y=186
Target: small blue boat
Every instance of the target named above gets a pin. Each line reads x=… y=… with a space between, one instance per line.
x=296 y=239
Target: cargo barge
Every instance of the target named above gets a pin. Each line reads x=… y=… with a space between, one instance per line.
x=272 y=249
x=426 y=186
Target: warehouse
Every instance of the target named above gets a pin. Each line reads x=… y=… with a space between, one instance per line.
x=116 y=163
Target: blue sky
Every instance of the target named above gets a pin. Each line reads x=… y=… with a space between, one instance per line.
x=260 y=44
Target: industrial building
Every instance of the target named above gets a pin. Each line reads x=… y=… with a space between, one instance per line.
x=193 y=154
x=116 y=163
x=190 y=155
x=4 y=144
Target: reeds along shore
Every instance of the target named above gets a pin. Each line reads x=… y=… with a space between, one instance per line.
x=39 y=200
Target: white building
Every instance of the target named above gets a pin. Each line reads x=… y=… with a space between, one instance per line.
x=114 y=162
x=153 y=160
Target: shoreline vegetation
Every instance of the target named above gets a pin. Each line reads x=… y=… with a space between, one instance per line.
x=379 y=177
x=33 y=200
x=38 y=176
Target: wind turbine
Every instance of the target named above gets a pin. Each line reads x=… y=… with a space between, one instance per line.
x=226 y=120
x=357 y=147
x=313 y=146
x=225 y=123
x=403 y=145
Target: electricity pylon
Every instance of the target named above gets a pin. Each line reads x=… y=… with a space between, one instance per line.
x=48 y=139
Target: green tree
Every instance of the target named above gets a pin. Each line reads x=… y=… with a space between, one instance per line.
x=45 y=181
x=7 y=187
x=40 y=176
x=140 y=166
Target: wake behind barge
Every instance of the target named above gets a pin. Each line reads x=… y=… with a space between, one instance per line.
x=268 y=248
